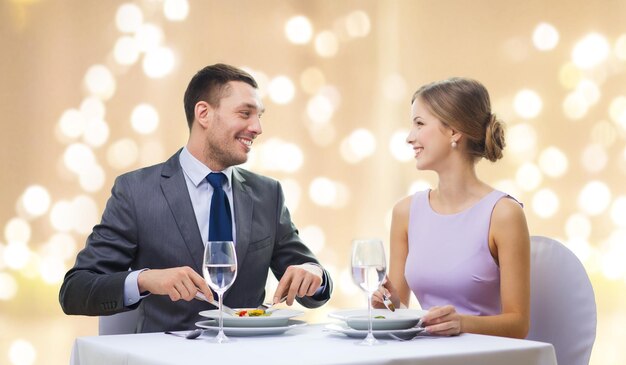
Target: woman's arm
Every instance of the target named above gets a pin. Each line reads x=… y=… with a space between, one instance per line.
x=396 y=285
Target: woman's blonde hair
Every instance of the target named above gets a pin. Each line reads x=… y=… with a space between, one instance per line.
x=463 y=105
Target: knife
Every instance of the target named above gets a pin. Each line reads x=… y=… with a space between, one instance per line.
x=227 y=310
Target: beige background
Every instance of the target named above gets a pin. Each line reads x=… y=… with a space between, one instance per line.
x=47 y=47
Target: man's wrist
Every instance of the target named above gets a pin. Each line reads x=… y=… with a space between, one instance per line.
x=317 y=270
x=141 y=287
x=132 y=292
x=314 y=269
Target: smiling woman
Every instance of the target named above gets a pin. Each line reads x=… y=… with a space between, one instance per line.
x=463 y=223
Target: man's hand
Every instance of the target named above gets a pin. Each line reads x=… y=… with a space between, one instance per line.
x=299 y=280
x=178 y=283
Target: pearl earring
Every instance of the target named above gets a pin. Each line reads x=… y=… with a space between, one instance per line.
x=453 y=144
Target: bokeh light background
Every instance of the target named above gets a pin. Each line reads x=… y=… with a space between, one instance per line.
x=91 y=89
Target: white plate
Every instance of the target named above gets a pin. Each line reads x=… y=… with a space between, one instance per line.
x=211 y=325
x=380 y=334
x=279 y=318
x=398 y=320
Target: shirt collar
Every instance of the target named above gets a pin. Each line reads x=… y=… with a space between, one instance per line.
x=197 y=171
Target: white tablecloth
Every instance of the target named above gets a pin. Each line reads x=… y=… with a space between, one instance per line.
x=308 y=345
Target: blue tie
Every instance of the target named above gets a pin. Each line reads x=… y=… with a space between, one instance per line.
x=220 y=221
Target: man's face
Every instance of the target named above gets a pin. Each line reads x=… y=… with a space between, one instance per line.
x=233 y=126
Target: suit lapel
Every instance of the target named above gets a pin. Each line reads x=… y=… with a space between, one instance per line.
x=175 y=191
x=243 y=214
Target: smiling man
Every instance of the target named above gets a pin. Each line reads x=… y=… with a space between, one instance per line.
x=147 y=252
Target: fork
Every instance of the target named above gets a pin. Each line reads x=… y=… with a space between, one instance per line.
x=388 y=303
x=411 y=336
x=417 y=336
x=269 y=307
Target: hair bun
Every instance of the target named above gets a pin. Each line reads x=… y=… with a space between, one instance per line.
x=494 y=139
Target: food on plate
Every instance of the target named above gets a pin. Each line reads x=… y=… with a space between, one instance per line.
x=252 y=313
x=379 y=317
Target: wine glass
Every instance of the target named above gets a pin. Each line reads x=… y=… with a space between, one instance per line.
x=368 y=271
x=220 y=270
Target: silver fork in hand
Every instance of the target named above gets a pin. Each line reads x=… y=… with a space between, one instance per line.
x=388 y=303
x=269 y=307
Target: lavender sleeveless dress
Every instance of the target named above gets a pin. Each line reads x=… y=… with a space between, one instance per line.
x=449 y=260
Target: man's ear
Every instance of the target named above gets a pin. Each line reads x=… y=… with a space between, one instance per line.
x=203 y=113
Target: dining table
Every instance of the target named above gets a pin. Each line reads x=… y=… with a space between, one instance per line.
x=308 y=344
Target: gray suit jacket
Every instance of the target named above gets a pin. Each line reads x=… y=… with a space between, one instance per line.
x=149 y=222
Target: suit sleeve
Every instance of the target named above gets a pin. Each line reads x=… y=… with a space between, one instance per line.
x=95 y=285
x=289 y=250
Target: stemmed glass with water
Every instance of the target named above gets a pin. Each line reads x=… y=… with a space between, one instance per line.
x=220 y=270
x=369 y=267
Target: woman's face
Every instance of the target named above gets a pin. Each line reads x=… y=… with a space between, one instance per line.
x=431 y=139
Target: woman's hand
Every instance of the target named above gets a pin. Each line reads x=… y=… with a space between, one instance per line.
x=443 y=321
x=388 y=290
x=377 y=298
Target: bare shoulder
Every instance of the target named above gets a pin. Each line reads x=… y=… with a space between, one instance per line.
x=402 y=207
x=507 y=210
x=508 y=222
x=400 y=219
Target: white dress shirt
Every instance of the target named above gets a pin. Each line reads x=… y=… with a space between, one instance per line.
x=201 y=192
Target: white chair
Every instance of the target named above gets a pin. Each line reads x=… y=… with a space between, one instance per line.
x=562 y=302
x=118 y=324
